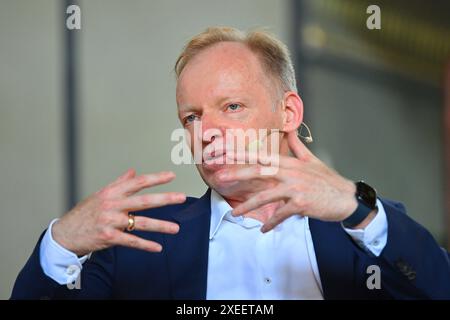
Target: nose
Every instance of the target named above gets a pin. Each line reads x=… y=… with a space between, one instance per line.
x=211 y=129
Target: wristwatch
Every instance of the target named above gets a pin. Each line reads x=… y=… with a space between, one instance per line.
x=367 y=202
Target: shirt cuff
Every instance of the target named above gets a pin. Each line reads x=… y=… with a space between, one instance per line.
x=373 y=237
x=57 y=262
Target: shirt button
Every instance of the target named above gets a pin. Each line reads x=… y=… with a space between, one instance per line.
x=376 y=242
x=267 y=280
x=71 y=270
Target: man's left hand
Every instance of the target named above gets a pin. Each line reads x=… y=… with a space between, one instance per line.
x=305 y=186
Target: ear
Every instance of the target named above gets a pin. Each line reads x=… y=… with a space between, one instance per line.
x=293 y=111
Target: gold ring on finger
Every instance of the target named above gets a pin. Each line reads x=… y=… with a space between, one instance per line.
x=131 y=222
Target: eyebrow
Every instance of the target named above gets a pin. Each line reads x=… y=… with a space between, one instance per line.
x=218 y=101
x=186 y=108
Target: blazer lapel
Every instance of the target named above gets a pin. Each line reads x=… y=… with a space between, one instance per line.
x=335 y=256
x=187 y=252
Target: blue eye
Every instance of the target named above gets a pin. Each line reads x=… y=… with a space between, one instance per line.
x=190 y=118
x=234 y=106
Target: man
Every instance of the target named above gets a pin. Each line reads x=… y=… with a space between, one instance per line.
x=303 y=232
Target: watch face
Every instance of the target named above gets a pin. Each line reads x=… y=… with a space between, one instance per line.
x=367 y=194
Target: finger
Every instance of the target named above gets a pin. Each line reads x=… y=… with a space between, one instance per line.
x=155 y=225
x=120 y=221
x=278 y=217
x=299 y=150
x=260 y=199
x=136 y=184
x=266 y=160
x=250 y=157
x=252 y=172
x=132 y=241
x=130 y=173
x=148 y=201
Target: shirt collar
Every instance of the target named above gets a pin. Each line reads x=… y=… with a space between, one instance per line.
x=221 y=210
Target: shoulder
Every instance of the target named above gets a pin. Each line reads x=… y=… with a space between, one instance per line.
x=391 y=205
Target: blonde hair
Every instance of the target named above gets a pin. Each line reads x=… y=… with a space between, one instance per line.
x=273 y=54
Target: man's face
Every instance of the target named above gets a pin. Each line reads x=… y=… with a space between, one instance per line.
x=224 y=87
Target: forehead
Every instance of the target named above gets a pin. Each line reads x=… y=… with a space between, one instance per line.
x=224 y=68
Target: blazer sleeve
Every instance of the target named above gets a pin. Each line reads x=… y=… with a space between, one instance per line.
x=417 y=267
x=96 y=279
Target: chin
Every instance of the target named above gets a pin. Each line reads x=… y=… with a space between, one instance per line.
x=210 y=173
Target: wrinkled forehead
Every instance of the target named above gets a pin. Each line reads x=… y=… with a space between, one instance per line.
x=226 y=68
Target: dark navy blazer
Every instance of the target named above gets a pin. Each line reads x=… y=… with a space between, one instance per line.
x=412 y=264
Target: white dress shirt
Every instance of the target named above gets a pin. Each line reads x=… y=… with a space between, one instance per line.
x=244 y=263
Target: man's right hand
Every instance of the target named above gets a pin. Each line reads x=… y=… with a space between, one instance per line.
x=100 y=221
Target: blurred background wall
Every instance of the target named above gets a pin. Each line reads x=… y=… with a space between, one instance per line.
x=371 y=118
x=31 y=132
x=126 y=51
x=375 y=98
